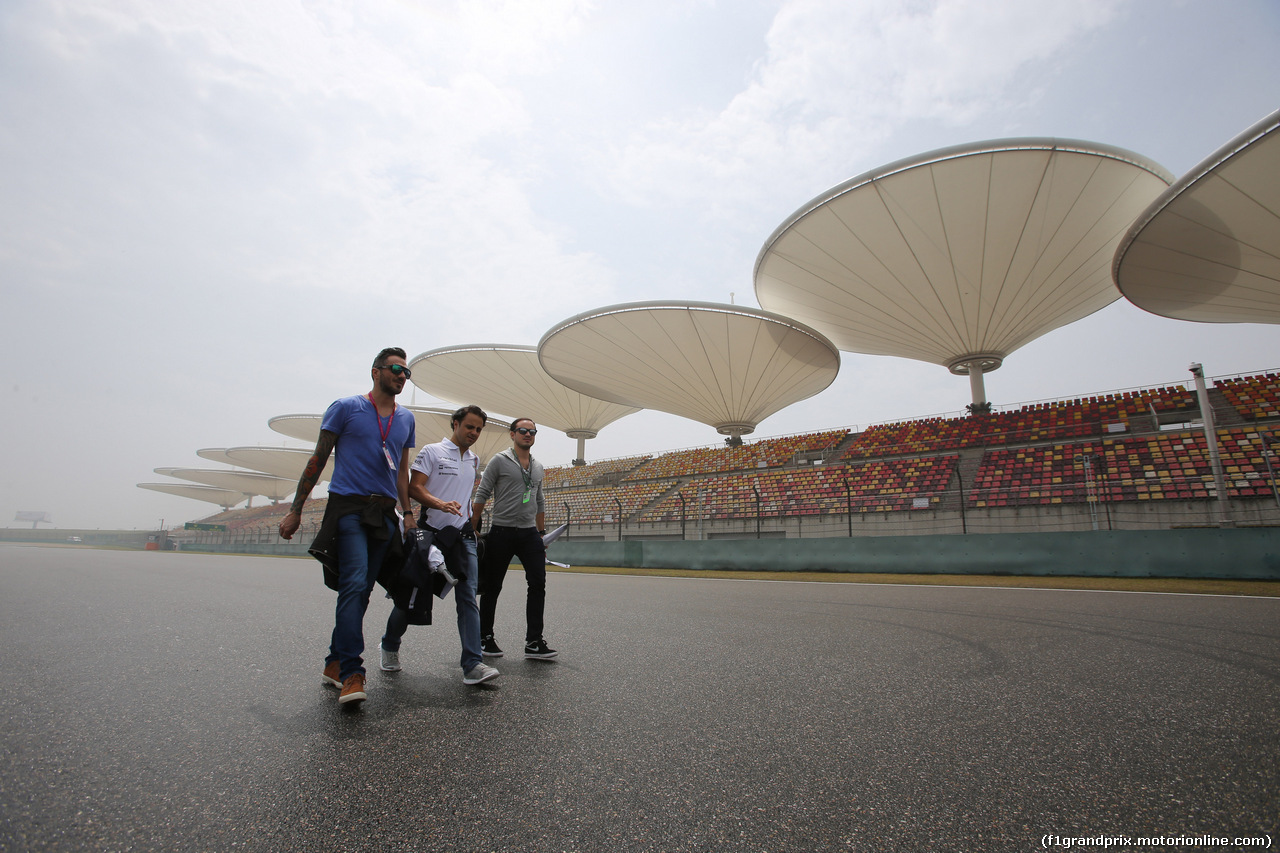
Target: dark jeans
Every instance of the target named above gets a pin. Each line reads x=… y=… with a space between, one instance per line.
x=359 y=559
x=464 y=595
x=500 y=546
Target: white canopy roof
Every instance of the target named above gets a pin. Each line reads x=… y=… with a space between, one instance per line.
x=723 y=365
x=281 y=461
x=248 y=482
x=1208 y=248
x=302 y=427
x=960 y=255
x=215 y=454
x=225 y=498
x=508 y=378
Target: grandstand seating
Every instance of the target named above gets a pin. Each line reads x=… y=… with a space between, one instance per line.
x=766 y=453
x=878 y=486
x=571 y=476
x=595 y=505
x=1169 y=465
x=1254 y=397
x=1038 y=422
x=1105 y=448
x=265 y=519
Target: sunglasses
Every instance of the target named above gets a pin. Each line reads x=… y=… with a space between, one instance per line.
x=397 y=369
x=526 y=431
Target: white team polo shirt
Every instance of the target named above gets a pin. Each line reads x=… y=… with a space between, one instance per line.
x=451 y=476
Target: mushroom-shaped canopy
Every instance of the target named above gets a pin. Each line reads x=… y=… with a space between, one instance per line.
x=215 y=454
x=508 y=378
x=281 y=461
x=429 y=426
x=302 y=427
x=248 y=482
x=225 y=498
x=1208 y=248
x=724 y=365
x=961 y=255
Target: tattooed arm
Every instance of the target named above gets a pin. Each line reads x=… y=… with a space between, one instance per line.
x=310 y=476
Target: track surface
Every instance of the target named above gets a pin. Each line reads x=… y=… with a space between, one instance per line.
x=173 y=702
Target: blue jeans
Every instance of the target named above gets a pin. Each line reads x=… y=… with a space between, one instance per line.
x=359 y=559
x=464 y=594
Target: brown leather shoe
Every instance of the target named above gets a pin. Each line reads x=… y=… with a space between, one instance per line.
x=353 y=689
x=331 y=673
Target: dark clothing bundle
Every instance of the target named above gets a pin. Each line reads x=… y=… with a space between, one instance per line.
x=375 y=511
x=417 y=582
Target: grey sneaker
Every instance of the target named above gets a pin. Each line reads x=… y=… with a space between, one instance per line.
x=390 y=660
x=539 y=650
x=478 y=673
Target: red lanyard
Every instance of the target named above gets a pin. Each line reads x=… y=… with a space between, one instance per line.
x=378 y=418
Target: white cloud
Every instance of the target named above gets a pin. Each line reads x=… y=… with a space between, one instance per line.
x=352 y=148
x=838 y=79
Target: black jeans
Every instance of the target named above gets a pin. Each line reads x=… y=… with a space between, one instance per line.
x=500 y=546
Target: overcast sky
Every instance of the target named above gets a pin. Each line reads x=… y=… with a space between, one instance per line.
x=213 y=213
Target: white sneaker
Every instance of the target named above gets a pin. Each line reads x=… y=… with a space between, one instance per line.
x=390 y=660
x=478 y=673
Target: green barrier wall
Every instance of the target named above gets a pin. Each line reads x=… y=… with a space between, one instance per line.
x=1252 y=553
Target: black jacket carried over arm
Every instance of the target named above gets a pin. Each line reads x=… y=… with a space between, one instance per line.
x=412 y=591
x=375 y=511
x=418 y=582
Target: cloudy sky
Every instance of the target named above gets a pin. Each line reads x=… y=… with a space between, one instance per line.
x=214 y=213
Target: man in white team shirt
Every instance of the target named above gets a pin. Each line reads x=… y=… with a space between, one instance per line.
x=442 y=479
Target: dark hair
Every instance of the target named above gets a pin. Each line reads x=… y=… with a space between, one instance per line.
x=462 y=413
x=381 y=360
x=518 y=420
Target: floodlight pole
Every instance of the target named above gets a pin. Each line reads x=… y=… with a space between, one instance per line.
x=757 y=491
x=1090 y=490
x=682 y=515
x=702 y=514
x=1271 y=471
x=848 y=503
x=1211 y=438
x=619 y=503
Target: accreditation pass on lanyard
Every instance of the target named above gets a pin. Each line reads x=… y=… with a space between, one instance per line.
x=528 y=482
x=386 y=451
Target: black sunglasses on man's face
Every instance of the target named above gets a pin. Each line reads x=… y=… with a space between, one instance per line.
x=526 y=431
x=397 y=369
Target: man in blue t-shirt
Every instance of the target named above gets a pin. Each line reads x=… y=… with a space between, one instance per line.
x=374 y=439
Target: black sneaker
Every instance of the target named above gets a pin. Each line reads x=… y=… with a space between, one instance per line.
x=539 y=649
x=489 y=647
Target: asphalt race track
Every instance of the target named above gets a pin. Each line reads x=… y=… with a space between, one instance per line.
x=161 y=701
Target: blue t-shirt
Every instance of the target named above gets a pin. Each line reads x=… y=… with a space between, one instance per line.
x=360 y=465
